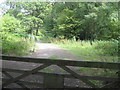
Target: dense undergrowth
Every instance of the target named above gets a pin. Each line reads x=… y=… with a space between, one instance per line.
x=15 y=41
x=98 y=51
x=14 y=44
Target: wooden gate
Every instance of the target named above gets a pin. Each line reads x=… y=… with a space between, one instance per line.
x=52 y=80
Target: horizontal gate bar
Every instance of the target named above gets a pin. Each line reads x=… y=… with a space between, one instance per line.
x=90 y=64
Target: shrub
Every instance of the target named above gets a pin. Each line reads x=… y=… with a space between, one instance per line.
x=10 y=24
x=107 y=47
x=14 y=45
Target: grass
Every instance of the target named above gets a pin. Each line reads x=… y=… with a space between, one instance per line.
x=87 y=51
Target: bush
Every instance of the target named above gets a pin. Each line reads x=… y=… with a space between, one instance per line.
x=108 y=47
x=14 y=45
x=10 y=24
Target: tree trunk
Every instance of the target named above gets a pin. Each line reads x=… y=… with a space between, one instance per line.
x=37 y=32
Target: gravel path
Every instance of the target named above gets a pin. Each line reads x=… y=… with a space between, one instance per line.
x=45 y=50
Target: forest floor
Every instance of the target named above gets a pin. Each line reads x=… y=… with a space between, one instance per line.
x=51 y=51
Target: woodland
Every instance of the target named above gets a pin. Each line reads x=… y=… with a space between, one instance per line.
x=63 y=23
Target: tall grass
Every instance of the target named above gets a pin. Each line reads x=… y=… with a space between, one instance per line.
x=98 y=51
x=108 y=47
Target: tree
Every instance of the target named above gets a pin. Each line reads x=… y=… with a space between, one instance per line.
x=84 y=21
x=10 y=24
x=30 y=13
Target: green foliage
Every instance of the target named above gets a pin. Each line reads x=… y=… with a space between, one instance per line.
x=14 y=40
x=65 y=20
x=108 y=47
x=14 y=45
x=98 y=51
x=85 y=21
x=10 y=24
x=30 y=14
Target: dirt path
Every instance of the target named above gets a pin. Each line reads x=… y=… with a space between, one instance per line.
x=46 y=50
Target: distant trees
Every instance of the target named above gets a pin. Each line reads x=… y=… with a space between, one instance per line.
x=30 y=14
x=80 y=20
x=85 y=21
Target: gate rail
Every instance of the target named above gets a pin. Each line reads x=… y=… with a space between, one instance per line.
x=59 y=77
